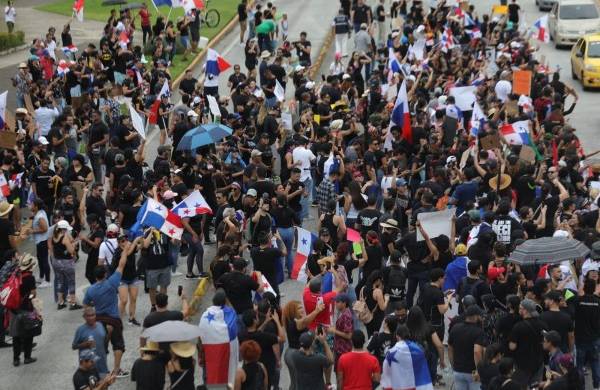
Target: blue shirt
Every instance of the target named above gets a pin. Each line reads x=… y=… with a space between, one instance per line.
x=463 y=193
x=104 y=296
x=83 y=333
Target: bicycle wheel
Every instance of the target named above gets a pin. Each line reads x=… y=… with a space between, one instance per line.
x=212 y=18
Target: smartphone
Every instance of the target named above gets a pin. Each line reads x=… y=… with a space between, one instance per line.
x=179 y=290
x=319 y=329
x=320 y=301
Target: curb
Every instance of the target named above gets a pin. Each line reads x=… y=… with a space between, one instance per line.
x=322 y=53
x=13 y=50
x=216 y=39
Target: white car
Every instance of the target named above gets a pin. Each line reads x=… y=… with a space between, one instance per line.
x=571 y=19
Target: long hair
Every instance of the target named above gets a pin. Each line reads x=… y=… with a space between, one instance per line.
x=289 y=312
x=357 y=199
x=417 y=324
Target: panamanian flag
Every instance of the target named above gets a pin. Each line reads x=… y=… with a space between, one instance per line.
x=194 y=204
x=305 y=243
x=401 y=114
x=160 y=217
x=215 y=64
x=516 y=133
x=69 y=49
x=405 y=367
x=478 y=120
x=153 y=116
x=541 y=25
x=220 y=343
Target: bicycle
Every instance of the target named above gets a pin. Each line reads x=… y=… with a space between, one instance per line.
x=211 y=17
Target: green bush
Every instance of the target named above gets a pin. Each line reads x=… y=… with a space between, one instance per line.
x=8 y=41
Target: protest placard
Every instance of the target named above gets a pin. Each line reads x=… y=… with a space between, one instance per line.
x=435 y=223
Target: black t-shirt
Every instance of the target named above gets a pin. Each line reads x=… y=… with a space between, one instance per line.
x=7 y=228
x=266 y=341
x=504 y=226
x=374 y=260
x=463 y=337
x=148 y=374
x=380 y=13
x=379 y=345
x=265 y=261
x=157 y=254
x=96 y=206
x=86 y=379
x=361 y=14
x=513 y=12
x=42 y=183
x=302 y=55
x=587 y=319
x=527 y=334
x=431 y=297
x=417 y=251
x=129 y=215
x=238 y=287
x=188 y=85
x=264 y=187
x=158 y=317
x=97 y=132
x=368 y=219
x=560 y=322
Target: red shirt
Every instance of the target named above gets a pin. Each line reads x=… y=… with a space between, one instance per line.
x=145 y=16
x=358 y=369
x=310 y=303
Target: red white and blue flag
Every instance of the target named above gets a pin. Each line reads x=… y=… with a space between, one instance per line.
x=78 y=9
x=4 y=187
x=401 y=114
x=447 y=41
x=474 y=33
x=516 y=133
x=405 y=367
x=215 y=64
x=62 y=68
x=305 y=241
x=541 y=25
x=157 y=215
x=194 y=204
x=220 y=343
x=189 y=5
x=265 y=285
x=153 y=116
x=478 y=120
x=69 y=49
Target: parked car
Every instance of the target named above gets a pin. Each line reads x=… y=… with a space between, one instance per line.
x=571 y=19
x=545 y=5
x=585 y=60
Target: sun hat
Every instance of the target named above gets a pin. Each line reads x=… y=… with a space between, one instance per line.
x=505 y=181
x=5 y=208
x=62 y=224
x=151 y=346
x=389 y=223
x=183 y=349
x=265 y=54
x=22 y=65
x=27 y=262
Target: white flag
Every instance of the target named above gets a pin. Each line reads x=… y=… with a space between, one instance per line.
x=279 y=91
x=213 y=105
x=137 y=121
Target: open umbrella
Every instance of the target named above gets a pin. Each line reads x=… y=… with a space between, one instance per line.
x=132 y=6
x=548 y=250
x=172 y=331
x=203 y=135
x=110 y=3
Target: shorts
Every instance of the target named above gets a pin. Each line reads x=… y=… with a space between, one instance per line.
x=158 y=277
x=116 y=338
x=129 y=282
x=64 y=272
x=185 y=41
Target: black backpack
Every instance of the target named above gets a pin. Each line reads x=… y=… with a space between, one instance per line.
x=6 y=271
x=396 y=283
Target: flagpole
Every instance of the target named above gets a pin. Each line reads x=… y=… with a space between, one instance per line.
x=169 y=15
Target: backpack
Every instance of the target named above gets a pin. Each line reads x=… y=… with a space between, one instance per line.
x=360 y=308
x=396 y=283
x=10 y=295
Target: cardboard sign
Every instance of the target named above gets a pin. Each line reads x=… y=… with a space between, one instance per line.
x=435 y=223
x=8 y=139
x=78 y=187
x=464 y=97
x=464 y=158
x=527 y=154
x=512 y=107
x=490 y=142
x=522 y=82
x=499 y=9
x=28 y=103
x=9 y=120
x=286 y=120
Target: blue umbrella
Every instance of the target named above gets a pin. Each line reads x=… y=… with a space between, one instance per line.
x=203 y=135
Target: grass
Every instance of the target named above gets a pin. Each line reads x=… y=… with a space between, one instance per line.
x=95 y=11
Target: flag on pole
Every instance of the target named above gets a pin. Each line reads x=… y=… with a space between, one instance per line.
x=189 y=5
x=401 y=115
x=215 y=64
x=3 y=109
x=516 y=133
x=478 y=120
x=303 y=251
x=194 y=204
x=264 y=283
x=153 y=116
x=219 y=340
x=279 y=91
x=160 y=217
x=158 y=3
x=405 y=367
x=447 y=40
x=78 y=9
x=541 y=24
x=137 y=121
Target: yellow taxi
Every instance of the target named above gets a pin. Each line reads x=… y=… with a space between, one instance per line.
x=585 y=60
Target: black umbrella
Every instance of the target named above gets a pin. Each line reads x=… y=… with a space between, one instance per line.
x=132 y=6
x=548 y=250
x=110 y=3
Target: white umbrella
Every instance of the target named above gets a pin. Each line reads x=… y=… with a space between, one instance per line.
x=172 y=331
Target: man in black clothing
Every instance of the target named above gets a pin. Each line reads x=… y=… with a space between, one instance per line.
x=265 y=258
x=97 y=140
x=466 y=343
x=587 y=330
x=238 y=286
x=162 y=314
x=188 y=84
x=472 y=284
x=559 y=321
x=361 y=13
x=433 y=302
x=525 y=341
x=95 y=204
x=368 y=218
x=86 y=377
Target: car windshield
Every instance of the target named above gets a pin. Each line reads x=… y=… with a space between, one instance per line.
x=594 y=50
x=578 y=11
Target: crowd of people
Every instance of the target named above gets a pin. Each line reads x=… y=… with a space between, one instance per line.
x=369 y=150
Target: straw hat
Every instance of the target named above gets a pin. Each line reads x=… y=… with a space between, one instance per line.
x=27 y=262
x=183 y=349
x=5 y=208
x=265 y=54
x=389 y=223
x=505 y=181
x=151 y=346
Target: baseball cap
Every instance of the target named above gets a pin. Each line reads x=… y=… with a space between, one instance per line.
x=43 y=140
x=460 y=250
x=192 y=113
x=112 y=228
x=87 y=354
x=530 y=307
x=255 y=153
x=62 y=224
x=306 y=339
x=343 y=298
x=252 y=192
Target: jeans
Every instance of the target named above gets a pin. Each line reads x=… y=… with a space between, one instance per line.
x=417 y=279
x=588 y=353
x=287 y=236
x=263 y=42
x=96 y=164
x=195 y=254
x=174 y=254
x=307 y=200
x=41 y=250
x=464 y=381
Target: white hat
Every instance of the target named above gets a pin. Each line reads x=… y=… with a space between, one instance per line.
x=412 y=78
x=442 y=100
x=336 y=124
x=515 y=45
x=192 y=113
x=62 y=224
x=395 y=34
x=42 y=140
x=168 y=194
x=450 y=159
x=196 y=100
x=252 y=192
x=255 y=153
x=346 y=76
x=265 y=54
x=310 y=85
x=21 y=111
x=299 y=68
x=112 y=228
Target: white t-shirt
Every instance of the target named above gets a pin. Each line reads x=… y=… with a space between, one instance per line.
x=503 y=88
x=44 y=117
x=107 y=250
x=10 y=14
x=304 y=156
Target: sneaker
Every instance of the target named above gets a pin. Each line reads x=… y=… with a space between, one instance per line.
x=122 y=373
x=203 y=275
x=61 y=306
x=192 y=276
x=133 y=321
x=44 y=284
x=30 y=360
x=176 y=273
x=75 y=306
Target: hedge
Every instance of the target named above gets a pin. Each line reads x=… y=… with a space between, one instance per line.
x=8 y=41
